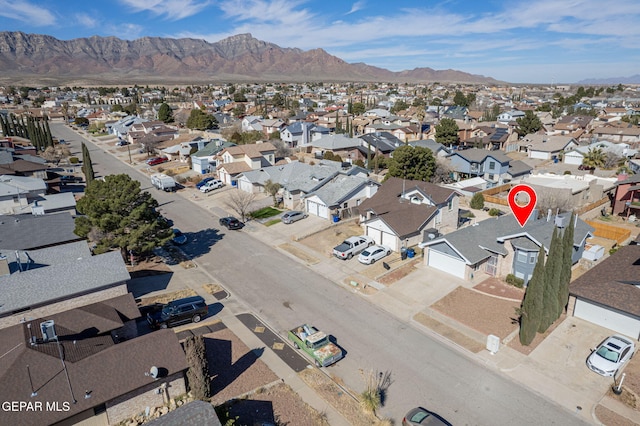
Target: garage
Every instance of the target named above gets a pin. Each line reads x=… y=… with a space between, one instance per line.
x=382 y=234
x=317 y=209
x=447 y=263
x=607 y=317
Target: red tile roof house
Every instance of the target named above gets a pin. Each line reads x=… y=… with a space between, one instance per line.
x=75 y=365
x=609 y=294
x=626 y=201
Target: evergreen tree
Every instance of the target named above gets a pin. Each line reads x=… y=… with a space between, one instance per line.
x=567 y=261
x=117 y=214
x=48 y=133
x=447 y=132
x=530 y=123
x=552 y=272
x=531 y=309
x=87 y=167
x=165 y=114
x=416 y=163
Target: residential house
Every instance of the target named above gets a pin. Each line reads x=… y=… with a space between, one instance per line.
x=18 y=192
x=402 y=211
x=608 y=294
x=500 y=246
x=570 y=191
x=54 y=203
x=339 y=144
x=270 y=126
x=296 y=179
x=338 y=197
x=510 y=116
x=573 y=125
x=235 y=160
x=204 y=160
x=576 y=155
x=547 y=147
x=493 y=166
x=251 y=123
x=626 y=201
x=627 y=134
x=381 y=144
x=43 y=281
x=22 y=165
x=301 y=133
x=93 y=382
x=121 y=127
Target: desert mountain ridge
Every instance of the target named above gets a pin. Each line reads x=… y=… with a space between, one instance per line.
x=37 y=59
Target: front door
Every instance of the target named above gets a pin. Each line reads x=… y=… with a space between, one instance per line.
x=491 y=267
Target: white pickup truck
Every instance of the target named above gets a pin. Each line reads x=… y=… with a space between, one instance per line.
x=352 y=246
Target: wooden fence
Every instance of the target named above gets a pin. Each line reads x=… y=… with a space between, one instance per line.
x=592 y=206
x=610 y=232
x=488 y=194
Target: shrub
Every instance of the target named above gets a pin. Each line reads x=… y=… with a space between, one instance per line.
x=567 y=172
x=477 y=201
x=170 y=172
x=495 y=212
x=515 y=281
x=181 y=180
x=74 y=160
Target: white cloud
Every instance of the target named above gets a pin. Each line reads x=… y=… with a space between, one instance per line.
x=26 y=12
x=173 y=10
x=359 y=5
x=85 y=20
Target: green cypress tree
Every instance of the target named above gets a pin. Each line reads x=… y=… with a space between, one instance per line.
x=551 y=283
x=531 y=309
x=567 y=261
x=87 y=167
x=47 y=131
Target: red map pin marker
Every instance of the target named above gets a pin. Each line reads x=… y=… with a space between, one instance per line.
x=522 y=212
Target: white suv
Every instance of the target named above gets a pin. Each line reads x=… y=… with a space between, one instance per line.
x=211 y=185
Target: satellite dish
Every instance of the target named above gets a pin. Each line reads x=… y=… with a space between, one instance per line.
x=154 y=372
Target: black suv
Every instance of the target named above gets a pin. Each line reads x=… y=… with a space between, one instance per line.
x=176 y=312
x=230 y=222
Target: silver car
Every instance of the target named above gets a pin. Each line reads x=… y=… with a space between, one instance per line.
x=293 y=216
x=610 y=355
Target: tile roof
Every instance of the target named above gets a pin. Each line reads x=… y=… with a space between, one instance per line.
x=614 y=282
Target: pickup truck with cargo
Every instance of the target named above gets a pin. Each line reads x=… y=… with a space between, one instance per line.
x=352 y=246
x=316 y=344
x=164 y=182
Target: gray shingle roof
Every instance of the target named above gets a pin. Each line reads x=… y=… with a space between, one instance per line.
x=476 y=243
x=56 y=273
x=475 y=155
x=28 y=232
x=338 y=189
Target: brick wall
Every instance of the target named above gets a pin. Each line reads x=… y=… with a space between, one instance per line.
x=65 y=305
x=135 y=402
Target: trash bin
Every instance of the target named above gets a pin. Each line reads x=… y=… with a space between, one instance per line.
x=410 y=253
x=403 y=253
x=336 y=218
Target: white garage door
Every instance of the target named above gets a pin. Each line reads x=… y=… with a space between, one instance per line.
x=312 y=208
x=605 y=317
x=389 y=240
x=323 y=211
x=317 y=209
x=446 y=263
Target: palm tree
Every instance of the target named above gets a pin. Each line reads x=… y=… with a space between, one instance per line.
x=593 y=158
x=420 y=114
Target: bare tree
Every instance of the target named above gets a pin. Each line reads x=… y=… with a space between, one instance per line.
x=555 y=201
x=442 y=172
x=272 y=189
x=240 y=202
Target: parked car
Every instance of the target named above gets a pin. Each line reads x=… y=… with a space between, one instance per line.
x=352 y=246
x=371 y=254
x=203 y=181
x=211 y=185
x=421 y=417
x=156 y=160
x=610 y=355
x=178 y=237
x=231 y=222
x=293 y=216
x=121 y=142
x=176 y=312
x=70 y=179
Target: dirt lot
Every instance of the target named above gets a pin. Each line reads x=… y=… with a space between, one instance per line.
x=324 y=241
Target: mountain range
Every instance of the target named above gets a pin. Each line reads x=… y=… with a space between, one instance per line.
x=35 y=59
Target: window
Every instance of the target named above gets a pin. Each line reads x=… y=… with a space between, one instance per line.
x=450 y=204
x=522 y=257
x=491 y=177
x=532 y=258
x=345 y=205
x=492 y=165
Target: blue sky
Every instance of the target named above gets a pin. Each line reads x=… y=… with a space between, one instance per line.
x=519 y=41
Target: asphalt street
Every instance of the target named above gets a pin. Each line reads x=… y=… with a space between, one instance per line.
x=425 y=370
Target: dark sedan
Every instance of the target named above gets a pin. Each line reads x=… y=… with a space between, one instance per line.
x=231 y=223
